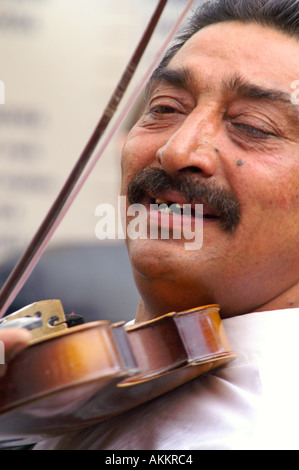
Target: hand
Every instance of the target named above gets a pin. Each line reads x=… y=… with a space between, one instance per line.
x=12 y=341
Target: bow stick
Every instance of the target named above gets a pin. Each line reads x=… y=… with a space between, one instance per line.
x=69 y=190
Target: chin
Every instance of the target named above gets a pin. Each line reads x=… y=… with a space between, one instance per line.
x=158 y=258
x=168 y=282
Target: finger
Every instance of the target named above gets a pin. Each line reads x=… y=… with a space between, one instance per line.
x=14 y=340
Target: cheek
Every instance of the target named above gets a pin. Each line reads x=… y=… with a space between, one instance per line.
x=281 y=194
x=139 y=151
x=271 y=213
x=266 y=183
x=287 y=197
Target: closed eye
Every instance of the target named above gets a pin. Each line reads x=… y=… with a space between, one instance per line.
x=253 y=131
x=163 y=109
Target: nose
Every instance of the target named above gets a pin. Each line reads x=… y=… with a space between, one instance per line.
x=191 y=147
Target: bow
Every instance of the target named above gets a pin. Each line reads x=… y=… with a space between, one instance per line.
x=81 y=171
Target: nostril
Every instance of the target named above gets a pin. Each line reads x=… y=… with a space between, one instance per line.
x=191 y=169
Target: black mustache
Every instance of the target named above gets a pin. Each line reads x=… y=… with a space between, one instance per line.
x=193 y=189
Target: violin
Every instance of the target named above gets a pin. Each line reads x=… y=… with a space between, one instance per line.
x=74 y=374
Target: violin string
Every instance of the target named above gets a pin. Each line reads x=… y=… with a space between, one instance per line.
x=72 y=188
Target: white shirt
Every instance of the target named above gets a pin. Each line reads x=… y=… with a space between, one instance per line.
x=252 y=403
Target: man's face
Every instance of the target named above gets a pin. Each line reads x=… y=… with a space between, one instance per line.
x=220 y=115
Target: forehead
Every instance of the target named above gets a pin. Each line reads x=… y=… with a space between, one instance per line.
x=253 y=51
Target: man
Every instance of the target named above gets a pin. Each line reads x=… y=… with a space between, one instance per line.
x=220 y=128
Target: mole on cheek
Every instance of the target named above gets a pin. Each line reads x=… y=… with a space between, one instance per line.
x=240 y=162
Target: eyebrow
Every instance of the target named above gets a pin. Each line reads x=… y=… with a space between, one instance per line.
x=181 y=78
x=238 y=85
x=245 y=89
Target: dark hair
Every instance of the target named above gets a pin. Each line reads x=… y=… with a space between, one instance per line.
x=279 y=14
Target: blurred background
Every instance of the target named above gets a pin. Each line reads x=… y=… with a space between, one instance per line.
x=60 y=61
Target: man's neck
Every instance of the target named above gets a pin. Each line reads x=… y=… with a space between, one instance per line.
x=285 y=300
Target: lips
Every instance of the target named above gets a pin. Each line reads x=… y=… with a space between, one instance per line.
x=155 y=185
x=174 y=203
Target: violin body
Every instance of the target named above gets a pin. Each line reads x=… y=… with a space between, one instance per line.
x=75 y=377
